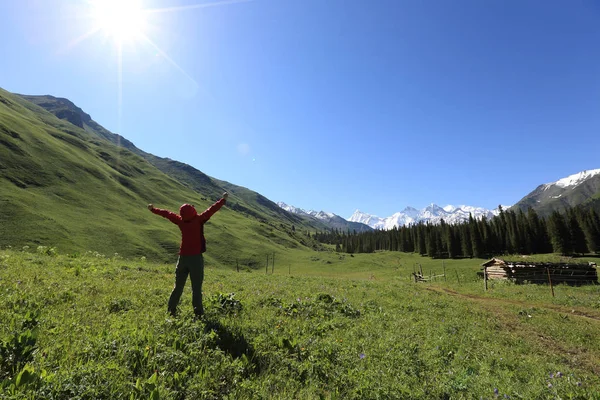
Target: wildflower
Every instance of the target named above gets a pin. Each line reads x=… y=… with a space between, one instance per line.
x=496 y=392
x=361 y=355
x=559 y=374
x=551 y=375
x=506 y=396
x=578 y=383
x=549 y=385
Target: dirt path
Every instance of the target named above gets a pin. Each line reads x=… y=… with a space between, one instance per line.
x=491 y=301
x=575 y=356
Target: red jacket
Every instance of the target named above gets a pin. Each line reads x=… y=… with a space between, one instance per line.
x=191 y=225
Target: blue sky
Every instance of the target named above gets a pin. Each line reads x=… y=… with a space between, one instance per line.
x=335 y=104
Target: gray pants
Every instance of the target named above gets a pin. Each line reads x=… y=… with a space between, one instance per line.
x=194 y=267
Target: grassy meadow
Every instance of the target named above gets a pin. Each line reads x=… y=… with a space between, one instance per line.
x=322 y=325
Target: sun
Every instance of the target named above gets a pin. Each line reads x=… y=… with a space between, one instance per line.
x=122 y=20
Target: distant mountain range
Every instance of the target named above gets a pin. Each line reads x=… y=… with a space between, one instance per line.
x=329 y=219
x=431 y=214
x=582 y=188
x=410 y=215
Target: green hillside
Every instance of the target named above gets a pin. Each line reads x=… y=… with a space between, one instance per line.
x=66 y=183
x=246 y=201
x=547 y=198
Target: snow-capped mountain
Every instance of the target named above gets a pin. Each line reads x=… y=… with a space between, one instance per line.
x=566 y=192
x=432 y=214
x=322 y=215
x=573 y=180
x=329 y=219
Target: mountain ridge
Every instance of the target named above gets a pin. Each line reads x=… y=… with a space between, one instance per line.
x=333 y=220
x=244 y=200
x=409 y=215
x=71 y=184
x=431 y=214
x=581 y=188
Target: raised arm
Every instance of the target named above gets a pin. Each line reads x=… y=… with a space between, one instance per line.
x=205 y=216
x=174 y=218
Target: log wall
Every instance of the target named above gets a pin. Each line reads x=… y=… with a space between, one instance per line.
x=571 y=274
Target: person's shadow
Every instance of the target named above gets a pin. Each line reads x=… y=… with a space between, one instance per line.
x=233 y=342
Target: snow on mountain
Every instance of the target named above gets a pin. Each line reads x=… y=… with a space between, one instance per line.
x=573 y=180
x=450 y=208
x=329 y=219
x=410 y=215
x=372 y=220
x=317 y=214
x=432 y=214
x=292 y=209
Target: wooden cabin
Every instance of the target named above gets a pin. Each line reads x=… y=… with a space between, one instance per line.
x=539 y=272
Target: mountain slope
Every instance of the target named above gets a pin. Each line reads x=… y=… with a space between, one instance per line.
x=582 y=188
x=244 y=200
x=65 y=183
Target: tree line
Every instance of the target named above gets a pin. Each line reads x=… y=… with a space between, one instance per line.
x=576 y=231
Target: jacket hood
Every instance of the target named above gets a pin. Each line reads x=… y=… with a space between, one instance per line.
x=187 y=212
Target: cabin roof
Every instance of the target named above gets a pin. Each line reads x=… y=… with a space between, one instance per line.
x=525 y=264
x=493 y=261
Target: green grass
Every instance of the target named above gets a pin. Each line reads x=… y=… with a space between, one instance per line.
x=336 y=327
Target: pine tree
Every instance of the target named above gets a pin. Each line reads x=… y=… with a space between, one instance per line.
x=434 y=250
x=559 y=234
x=476 y=242
x=592 y=231
x=534 y=232
x=577 y=237
x=465 y=241
x=524 y=234
x=421 y=246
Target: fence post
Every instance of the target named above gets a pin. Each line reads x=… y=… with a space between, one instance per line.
x=457 y=277
x=267 y=266
x=485 y=278
x=550 y=281
x=273 y=264
x=237 y=265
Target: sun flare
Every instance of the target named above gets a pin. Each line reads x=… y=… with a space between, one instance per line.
x=123 y=20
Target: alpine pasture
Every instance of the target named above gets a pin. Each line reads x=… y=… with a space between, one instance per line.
x=317 y=325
